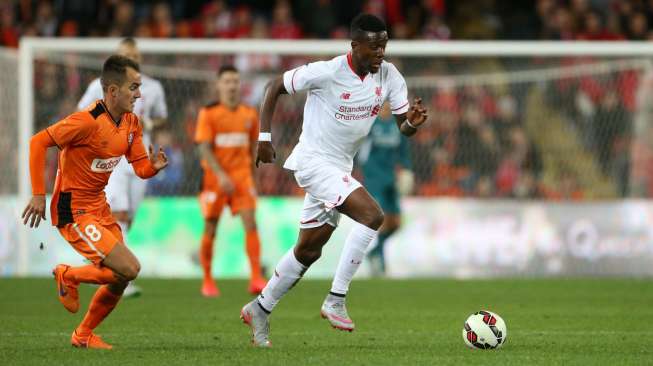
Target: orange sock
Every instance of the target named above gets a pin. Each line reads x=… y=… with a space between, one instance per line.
x=206 y=255
x=253 y=246
x=90 y=274
x=101 y=305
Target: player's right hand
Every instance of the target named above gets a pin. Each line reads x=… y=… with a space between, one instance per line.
x=265 y=152
x=35 y=211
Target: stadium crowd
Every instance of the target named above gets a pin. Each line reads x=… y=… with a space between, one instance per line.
x=476 y=143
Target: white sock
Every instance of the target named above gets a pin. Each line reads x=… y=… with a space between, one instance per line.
x=125 y=229
x=287 y=273
x=352 y=256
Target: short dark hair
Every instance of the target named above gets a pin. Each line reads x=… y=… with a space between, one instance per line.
x=114 y=70
x=366 y=23
x=128 y=41
x=226 y=68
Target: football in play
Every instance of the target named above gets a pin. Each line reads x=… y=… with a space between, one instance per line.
x=485 y=330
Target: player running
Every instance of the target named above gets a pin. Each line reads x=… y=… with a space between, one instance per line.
x=226 y=136
x=344 y=97
x=384 y=150
x=92 y=143
x=125 y=190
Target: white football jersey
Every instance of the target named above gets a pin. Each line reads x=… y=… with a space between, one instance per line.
x=340 y=109
x=151 y=104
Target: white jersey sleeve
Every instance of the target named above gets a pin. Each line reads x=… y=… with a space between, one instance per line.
x=159 y=107
x=92 y=93
x=314 y=75
x=398 y=92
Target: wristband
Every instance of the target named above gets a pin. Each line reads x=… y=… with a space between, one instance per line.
x=410 y=124
x=265 y=136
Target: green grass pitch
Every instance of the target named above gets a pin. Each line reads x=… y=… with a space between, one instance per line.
x=398 y=322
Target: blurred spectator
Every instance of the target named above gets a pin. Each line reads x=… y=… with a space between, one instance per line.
x=283 y=25
x=46 y=20
x=476 y=143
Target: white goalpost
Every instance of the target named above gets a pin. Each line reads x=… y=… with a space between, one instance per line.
x=568 y=84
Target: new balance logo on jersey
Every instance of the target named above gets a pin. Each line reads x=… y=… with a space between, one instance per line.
x=104 y=165
x=378 y=91
x=345 y=96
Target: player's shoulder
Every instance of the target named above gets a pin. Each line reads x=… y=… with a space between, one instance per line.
x=212 y=106
x=247 y=109
x=389 y=68
x=95 y=84
x=328 y=66
x=151 y=81
x=86 y=118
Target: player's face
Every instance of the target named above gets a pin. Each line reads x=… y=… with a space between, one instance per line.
x=130 y=52
x=229 y=87
x=371 y=50
x=129 y=91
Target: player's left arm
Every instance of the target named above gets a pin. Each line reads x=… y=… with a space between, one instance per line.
x=410 y=121
x=408 y=117
x=145 y=165
x=253 y=139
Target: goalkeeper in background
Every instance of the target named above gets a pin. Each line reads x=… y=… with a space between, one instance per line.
x=385 y=152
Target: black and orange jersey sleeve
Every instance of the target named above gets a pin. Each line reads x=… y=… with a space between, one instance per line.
x=204 y=131
x=75 y=129
x=136 y=150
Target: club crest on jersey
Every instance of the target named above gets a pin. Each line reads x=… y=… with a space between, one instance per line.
x=378 y=91
x=104 y=165
x=345 y=96
x=130 y=138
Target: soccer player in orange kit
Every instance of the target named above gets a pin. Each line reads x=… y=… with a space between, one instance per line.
x=226 y=136
x=91 y=143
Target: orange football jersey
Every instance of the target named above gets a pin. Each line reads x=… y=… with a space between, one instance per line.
x=232 y=133
x=91 y=145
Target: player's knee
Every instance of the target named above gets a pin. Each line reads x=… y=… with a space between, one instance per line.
x=373 y=218
x=307 y=256
x=131 y=271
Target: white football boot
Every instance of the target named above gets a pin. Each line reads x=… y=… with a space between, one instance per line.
x=335 y=311
x=131 y=291
x=258 y=320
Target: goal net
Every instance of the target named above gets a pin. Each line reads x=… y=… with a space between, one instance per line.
x=518 y=126
x=549 y=121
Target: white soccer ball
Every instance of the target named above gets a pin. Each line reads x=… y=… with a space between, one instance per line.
x=485 y=330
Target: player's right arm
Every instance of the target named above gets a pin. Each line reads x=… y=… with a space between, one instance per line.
x=38 y=147
x=204 y=136
x=309 y=76
x=72 y=130
x=265 y=151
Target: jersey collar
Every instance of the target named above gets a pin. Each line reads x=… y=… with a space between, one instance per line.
x=117 y=123
x=351 y=66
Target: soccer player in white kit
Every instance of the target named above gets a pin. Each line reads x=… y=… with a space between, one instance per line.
x=344 y=97
x=125 y=189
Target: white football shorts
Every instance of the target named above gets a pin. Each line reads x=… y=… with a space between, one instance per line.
x=326 y=188
x=125 y=190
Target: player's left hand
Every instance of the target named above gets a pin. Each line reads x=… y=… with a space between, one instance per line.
x=160 y=160
x=417 y=113
x=35 y=211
